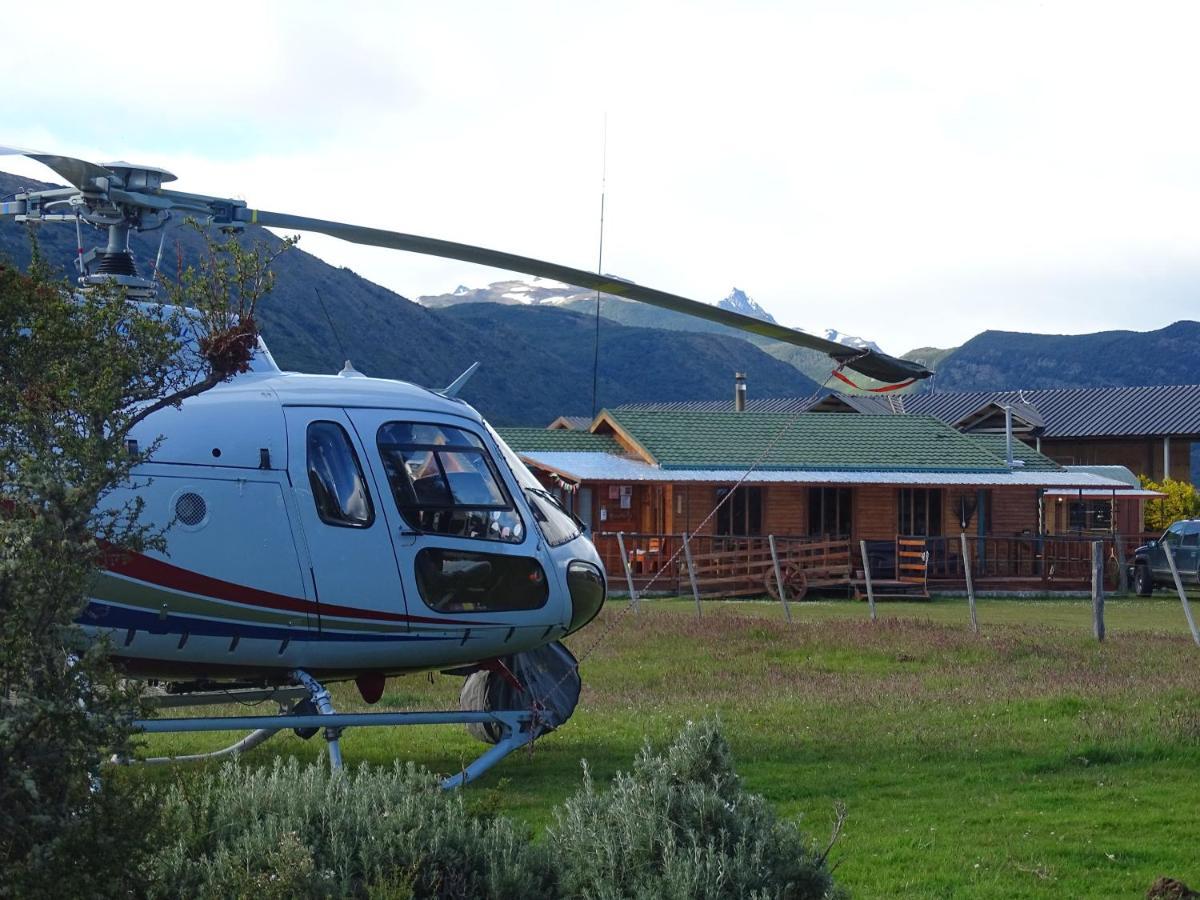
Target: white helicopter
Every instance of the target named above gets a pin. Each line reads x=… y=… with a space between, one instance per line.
x=340 y=527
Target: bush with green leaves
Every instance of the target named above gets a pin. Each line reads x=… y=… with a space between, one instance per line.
x=302 y=831
x=1180 y=500
x=679 y=825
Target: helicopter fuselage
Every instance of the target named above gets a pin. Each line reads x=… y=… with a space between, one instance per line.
x=344 y=525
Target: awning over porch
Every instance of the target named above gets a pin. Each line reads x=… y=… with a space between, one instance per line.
x=583 y=466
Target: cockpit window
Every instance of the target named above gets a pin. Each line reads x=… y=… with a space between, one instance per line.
x=444 y=482
x=557 y=525
x=336 y=478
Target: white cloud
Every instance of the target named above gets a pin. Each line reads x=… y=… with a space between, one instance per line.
x=909 y=172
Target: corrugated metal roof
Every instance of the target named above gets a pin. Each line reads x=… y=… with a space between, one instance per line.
x=608 y=467
x=1089 y=412
x=1120 y=473
x=1165 y=409
x=765 y=404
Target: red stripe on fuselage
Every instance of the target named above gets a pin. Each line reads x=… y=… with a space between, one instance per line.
x=163 y=574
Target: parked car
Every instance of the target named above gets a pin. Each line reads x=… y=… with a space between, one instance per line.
x=1150 y=569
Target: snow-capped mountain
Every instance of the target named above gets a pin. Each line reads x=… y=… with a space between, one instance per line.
x=532 y=292
x=739 y=302
x=849 y=340
x=546 y=292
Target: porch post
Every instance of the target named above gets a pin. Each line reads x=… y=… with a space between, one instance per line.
x=1098 y=590
x=981 y=515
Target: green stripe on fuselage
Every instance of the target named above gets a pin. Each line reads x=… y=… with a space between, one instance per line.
x=110 y=588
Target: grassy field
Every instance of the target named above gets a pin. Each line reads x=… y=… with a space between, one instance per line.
x=1027 y=761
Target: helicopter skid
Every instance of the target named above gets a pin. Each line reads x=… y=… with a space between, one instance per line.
x=516 y=727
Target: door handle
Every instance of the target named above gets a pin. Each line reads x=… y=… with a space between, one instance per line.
x=406 y=538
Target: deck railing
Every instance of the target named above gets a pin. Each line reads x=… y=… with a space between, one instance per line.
x=742 y=565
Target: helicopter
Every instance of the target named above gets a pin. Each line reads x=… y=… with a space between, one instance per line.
x=324 y=528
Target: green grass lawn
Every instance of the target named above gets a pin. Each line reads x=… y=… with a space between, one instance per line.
x=1027 y=761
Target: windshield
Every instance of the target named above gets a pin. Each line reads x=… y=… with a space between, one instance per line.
x=556 y=524
x=443 y=482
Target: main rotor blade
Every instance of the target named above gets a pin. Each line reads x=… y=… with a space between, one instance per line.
x=871 y=363
x=78 y=172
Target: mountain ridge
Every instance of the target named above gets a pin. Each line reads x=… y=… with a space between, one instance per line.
x=538 y=356
x=537 y=363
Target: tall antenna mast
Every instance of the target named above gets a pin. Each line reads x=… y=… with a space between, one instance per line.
x=600 y=265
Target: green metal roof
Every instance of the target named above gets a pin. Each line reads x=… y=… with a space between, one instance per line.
x=733 y=440
x=1034 y=461
x=531 y=440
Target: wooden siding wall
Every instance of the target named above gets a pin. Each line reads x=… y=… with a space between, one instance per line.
x=617 y=519
x=875 y=512
x=1142 y=456
x=785 y=509
x=1014 y=511
x=698 y=500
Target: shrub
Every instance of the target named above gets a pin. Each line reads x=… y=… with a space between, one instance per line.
x=1182 y=501
x=678 y=826
x=681 y=826
x=293 y=831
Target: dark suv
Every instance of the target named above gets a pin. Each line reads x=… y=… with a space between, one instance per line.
x=1150 y=561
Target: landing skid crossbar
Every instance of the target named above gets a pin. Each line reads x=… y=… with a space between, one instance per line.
x=517 y=726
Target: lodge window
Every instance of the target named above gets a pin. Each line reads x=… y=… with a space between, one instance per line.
x=920 y=512
x=829 y=511
x=336 y=478
x=1090 y=515
x=444 y=482
x=741 y=513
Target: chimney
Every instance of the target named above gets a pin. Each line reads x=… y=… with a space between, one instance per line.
x=739 y=391
x=1008 y=454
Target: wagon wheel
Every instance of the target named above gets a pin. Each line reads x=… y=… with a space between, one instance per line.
x=794 y=580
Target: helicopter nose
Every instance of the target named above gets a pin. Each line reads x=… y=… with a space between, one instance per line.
x=588 y=591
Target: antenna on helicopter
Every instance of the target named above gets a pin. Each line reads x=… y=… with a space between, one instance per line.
x=458 y=383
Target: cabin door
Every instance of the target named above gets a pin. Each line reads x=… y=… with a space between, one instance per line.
x=583 y=503
x=469 y=559
x=346 y=522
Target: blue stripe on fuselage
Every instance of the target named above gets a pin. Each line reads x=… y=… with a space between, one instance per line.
x=107 y=615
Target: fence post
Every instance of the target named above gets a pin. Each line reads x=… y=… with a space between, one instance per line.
x=779 y=578
x=867 y=576
x=633 y=597
x=1187 y=610
x=966 y=558
x=687 y=552
x=1098 y=590
x=1122 y=569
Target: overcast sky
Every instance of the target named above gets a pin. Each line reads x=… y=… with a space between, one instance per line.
x=910 y=172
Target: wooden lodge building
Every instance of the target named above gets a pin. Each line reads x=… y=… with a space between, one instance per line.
x=870 y=476
x=1150 y=430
